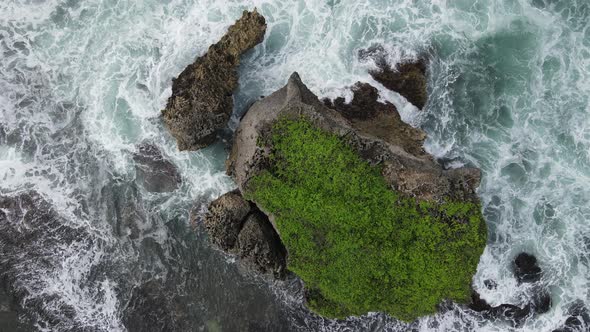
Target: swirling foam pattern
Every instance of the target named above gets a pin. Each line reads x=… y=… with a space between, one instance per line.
x=82 y=83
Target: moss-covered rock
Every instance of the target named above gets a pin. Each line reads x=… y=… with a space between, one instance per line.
x=359 y=245
x=370 y=222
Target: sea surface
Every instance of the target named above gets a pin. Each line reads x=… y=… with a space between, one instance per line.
x=82 y=84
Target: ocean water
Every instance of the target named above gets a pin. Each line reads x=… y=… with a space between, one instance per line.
x=82 y=84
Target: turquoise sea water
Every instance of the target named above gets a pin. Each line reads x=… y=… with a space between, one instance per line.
x=82 y=84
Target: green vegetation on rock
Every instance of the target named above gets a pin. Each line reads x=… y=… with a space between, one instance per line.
x=358 y=245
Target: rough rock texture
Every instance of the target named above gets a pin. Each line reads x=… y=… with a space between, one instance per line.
x=225 y=218
x=405 y=166
x=367 y=115
x=238 y=227
x=154 y=171
x=260 y=247
x=525 y=268
x=406 y=78
x=201 y=101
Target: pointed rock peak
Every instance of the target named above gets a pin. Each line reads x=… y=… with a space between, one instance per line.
x=294 y=86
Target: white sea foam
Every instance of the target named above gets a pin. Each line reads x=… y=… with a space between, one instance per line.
x=509 y=93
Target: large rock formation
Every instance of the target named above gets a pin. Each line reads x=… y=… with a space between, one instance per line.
x=379 y=136
x=201 y=101
x=327 y=173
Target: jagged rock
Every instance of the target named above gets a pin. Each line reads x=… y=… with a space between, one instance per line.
x=407 y=78
x=154 y=171
x=260 y=247
x=412 y=172
x=368 y=115
x=507 y=312
x=526 y=268
x=225 y=218
x=201 y=101
x=238 y=227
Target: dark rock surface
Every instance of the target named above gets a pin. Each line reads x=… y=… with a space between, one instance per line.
x=578 y=321
x=540 y=302
x=201 y=101
x=406 y=78
x=381 y=120
x=238 y=227
x=526 y=268
x=260 y=247
x=405 y=167
x=154 y=171
x=225 y=219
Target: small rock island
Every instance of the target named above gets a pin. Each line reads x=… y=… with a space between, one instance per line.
x=340 y=194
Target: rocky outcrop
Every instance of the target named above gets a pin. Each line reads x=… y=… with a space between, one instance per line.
x=378 y=136
x=525 y=270
x=238 y=227
x=367 y=115
x=579 y=319
x=154 y=171
x=406 y=78
x=201 y=101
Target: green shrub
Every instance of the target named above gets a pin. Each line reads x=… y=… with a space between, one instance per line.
x=358 y=245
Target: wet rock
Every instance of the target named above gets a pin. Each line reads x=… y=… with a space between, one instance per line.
x=238 y=227
x=490 y=284
x=406 y=168
x=579 y=319
x=513 y=314
x=260 y=247
x=154 y=171
x=368 y=115
x=541 y=301
x=406 y=78
x=526 y=268
x=201 y=101
x=225 y=218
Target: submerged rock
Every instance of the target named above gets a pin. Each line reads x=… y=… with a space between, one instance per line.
x=201 y=101
x=406 y=78
x=238 y=227
x=526 y=268
x=154 y=171
x=31 y=232
x=579 y=319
